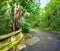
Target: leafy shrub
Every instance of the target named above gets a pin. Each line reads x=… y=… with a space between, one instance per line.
x=30 y=43
x=28 y=35
x=25 y=25
x=50 y=16
x=5 y=24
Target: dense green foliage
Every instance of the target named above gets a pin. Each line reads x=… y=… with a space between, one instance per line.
x=33 y=10
x=34 y=13
x=47 y=18
x=25 y=25
x=5 y=25
x=50 y=17
x=5 y=21
x=5 y=18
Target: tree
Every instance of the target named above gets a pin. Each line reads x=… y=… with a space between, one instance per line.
x=50 y=19
x=13 y=10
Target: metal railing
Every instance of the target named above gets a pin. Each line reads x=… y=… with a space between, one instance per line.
x=8 y=41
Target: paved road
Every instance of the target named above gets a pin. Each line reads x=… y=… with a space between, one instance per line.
x=47 y=41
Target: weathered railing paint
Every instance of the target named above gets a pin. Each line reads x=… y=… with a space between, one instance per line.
x=10 y=34
x=6 y=46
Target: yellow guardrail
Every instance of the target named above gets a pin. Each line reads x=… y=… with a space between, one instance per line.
x=8 y=43
x=10 y=34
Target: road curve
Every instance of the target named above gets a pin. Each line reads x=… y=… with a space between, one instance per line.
x=48 y=41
